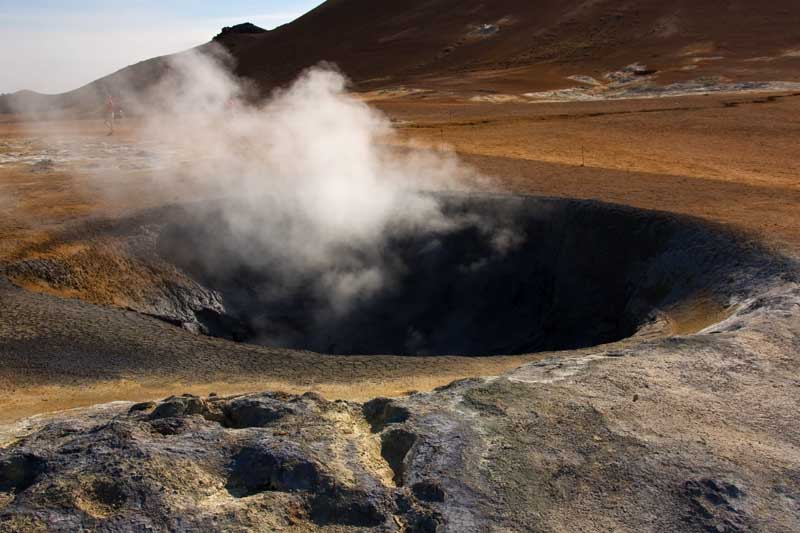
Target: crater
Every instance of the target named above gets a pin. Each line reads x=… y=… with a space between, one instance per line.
x=515 y=275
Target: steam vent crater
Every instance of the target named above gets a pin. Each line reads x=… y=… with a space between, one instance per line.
x=577 y=274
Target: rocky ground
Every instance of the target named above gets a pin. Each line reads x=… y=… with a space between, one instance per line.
x=693 y=433
x=684 y=433
x=696 y=431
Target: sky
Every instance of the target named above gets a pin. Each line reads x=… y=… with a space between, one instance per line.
x=53 y=46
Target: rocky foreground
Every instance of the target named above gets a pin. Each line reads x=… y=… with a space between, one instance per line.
x=696 y=433
x=688 y=432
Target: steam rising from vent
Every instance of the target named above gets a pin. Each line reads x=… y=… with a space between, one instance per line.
x=309 y=180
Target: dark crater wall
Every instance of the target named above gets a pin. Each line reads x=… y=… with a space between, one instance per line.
x=525 y=275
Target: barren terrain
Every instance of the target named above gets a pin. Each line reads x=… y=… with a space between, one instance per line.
x=646 y=156
x=724 y=159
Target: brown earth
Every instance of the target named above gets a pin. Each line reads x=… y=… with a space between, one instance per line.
x=642 y=434
x=510 y=45
x=731 y=159
x=472 y=48
x=728 y=159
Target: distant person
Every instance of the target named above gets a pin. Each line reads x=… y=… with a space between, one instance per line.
x=110 y=115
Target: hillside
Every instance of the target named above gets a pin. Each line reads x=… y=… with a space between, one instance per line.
x=474 y=47
x=530 y=45
x=89 y=99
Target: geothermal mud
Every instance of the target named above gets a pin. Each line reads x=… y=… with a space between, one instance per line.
x=516 y=275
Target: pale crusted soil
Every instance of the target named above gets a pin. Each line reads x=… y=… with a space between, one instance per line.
x=695 y=433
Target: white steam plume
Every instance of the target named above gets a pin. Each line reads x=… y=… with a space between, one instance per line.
x=305 y=185
x=307 y=173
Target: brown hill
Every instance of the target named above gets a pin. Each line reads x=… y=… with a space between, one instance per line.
x=530 y=45
x=499 y=46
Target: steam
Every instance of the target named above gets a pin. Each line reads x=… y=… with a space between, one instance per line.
x=308 y=185
x=308 y=178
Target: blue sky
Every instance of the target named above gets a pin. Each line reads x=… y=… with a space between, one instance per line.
x=53 y=46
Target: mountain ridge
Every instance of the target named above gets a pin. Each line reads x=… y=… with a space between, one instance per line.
x=471 y=47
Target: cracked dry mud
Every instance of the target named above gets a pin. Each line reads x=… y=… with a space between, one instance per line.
x=695 y=431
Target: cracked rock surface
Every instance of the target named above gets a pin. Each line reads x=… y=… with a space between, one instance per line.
x=695 y=433
x=687 y=432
